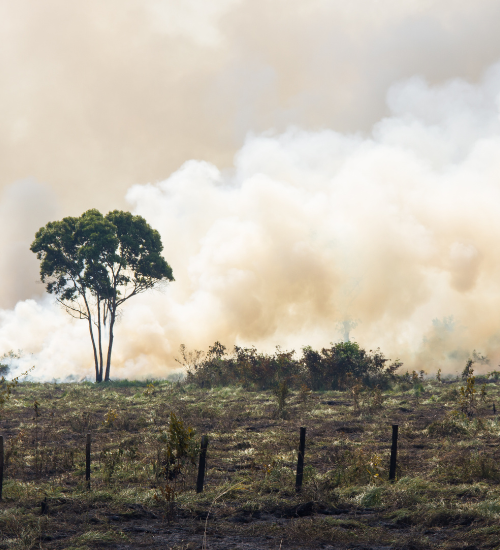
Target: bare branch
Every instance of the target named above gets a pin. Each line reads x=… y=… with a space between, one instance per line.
x=75 y=312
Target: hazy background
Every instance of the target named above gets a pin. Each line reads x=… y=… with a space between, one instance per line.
x=343 y=164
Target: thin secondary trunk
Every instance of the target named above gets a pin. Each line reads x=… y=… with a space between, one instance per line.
x=112 y=316
x=97 y=378
x=98 y=373
x=99 y=330
x=110 y=343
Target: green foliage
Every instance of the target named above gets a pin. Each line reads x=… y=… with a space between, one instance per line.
x=331 y=368
x=355 y=466
x=110 y=418
x=277 y=473
x=467 y=370
x=180 y=449
x=475 y=357
x=281 y=392
x=110 y=461
x=94 y=263
x=411 y=381
x=125 y=383
x=180 y=440
x=99 y=254
x=372 y=497
x=245 y=366
x=467 y=402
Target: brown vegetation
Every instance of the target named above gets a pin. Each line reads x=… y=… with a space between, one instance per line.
x=143 y=480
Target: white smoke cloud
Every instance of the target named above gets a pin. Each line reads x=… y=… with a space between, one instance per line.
x=397 y=230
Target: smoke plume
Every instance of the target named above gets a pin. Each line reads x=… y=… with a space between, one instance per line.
x=335 y=193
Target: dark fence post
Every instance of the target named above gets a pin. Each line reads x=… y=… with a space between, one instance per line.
x=201 y=466
x=300 y=460
x=394 y=453
x=87 y=462
x=1 y=465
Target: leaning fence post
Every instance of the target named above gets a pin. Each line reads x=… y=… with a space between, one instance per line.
x=300 y=460
x=1 y=465
x=201 y=466
x=87 y=462
x=394 y=453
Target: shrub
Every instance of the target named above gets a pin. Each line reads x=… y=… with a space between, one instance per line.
x=278 y=474
x=180 y=449
x=110 y=418
x=329 y=369
x=245 y=366
x=448 y=427
x=494 y=375
x=355 y=466
x=281 y=392
x=110 y=461
x=467 y=400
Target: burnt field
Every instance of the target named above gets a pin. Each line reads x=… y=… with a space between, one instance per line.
x=145 y=449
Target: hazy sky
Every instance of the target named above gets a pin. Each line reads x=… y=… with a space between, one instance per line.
x=98 y=97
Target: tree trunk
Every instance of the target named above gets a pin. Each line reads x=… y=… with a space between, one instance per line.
x=110 y=343
x=98 y=374
x=99 y=331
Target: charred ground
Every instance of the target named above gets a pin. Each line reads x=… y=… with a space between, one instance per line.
x=447 y=493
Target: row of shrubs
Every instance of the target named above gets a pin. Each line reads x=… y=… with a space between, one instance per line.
x=337 y=367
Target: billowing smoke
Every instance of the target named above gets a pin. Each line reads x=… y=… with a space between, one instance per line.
x=97 y=96
x=334 y=193
x=24 y=207
x=391 y=236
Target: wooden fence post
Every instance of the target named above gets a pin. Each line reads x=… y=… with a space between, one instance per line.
x=300 y=460
x=201 y=465
x=1 y=465
x=87 y=462
x=394 y=453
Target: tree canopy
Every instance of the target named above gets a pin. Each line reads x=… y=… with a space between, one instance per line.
x=94 y=263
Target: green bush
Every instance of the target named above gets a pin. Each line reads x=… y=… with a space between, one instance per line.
x=332 y=368
x=329 y=369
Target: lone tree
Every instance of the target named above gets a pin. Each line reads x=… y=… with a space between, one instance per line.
x=95 y=263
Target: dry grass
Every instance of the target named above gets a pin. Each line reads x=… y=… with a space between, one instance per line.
x=446 y=495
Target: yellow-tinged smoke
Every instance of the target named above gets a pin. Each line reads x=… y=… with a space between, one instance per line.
x=392 y=232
